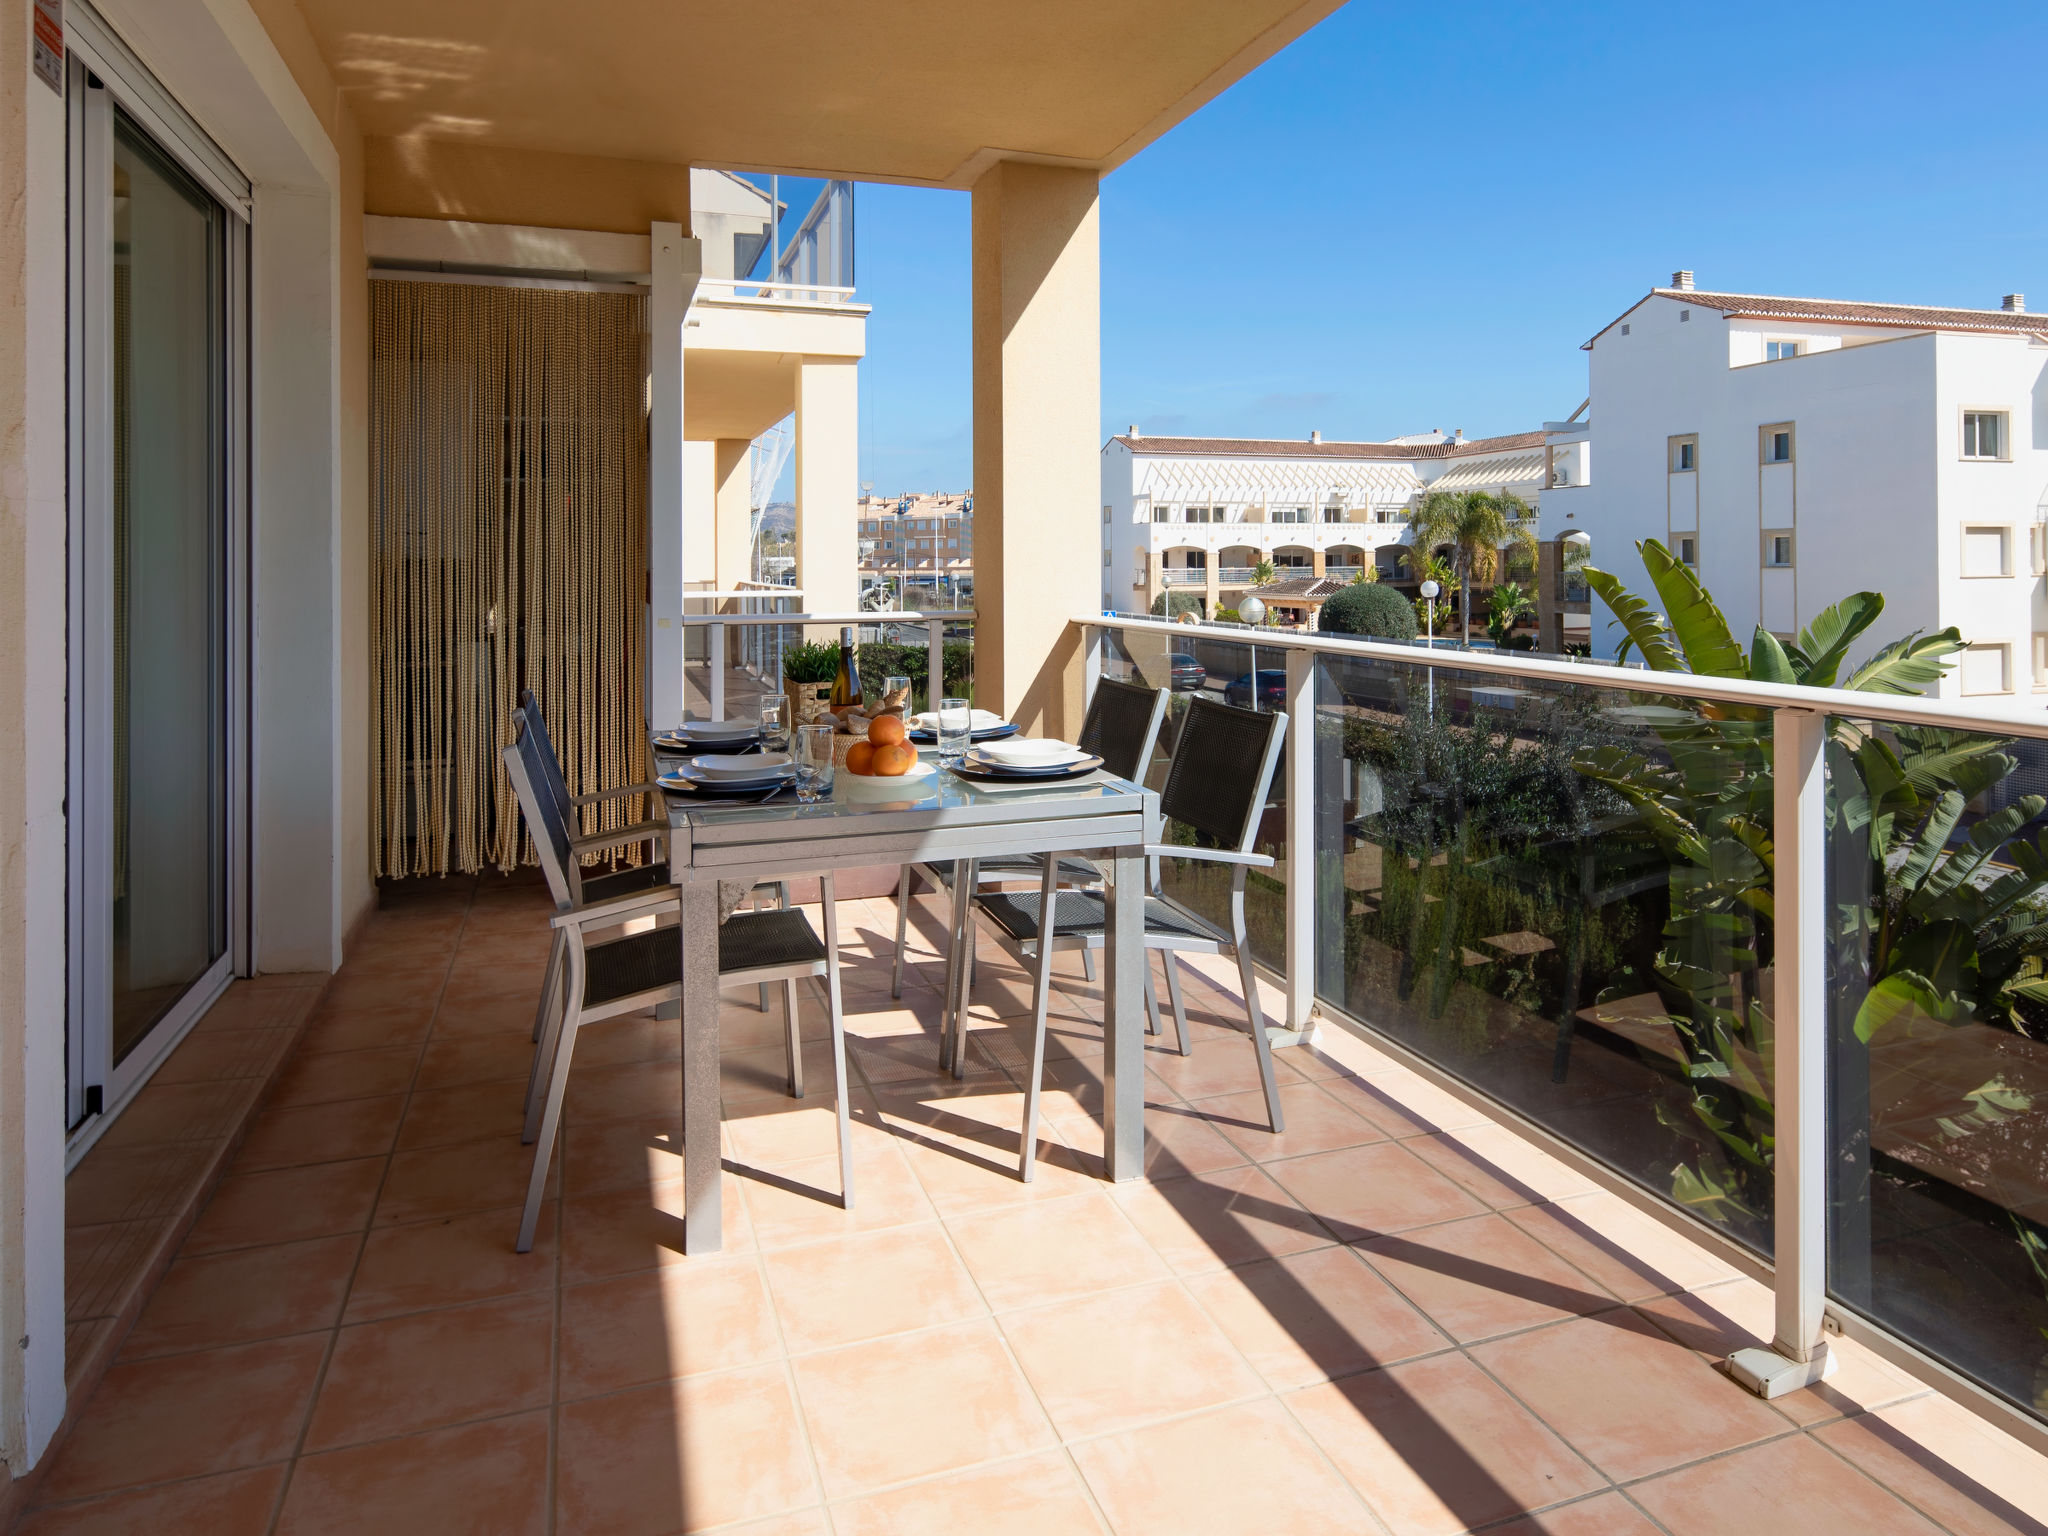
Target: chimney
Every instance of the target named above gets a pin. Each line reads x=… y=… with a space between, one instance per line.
x=1134 y=432
x=1458 y=436
x=2014 y=303
x=1682 y=279
x=1315 y=437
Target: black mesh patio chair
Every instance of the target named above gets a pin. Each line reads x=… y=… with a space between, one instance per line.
x=1121 y=728
x=1216 y=787
x=606 y=970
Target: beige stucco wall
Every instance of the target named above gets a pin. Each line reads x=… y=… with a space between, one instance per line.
x=827 y=483
x=444 y=179
x=1037 y=415
x=732 y=499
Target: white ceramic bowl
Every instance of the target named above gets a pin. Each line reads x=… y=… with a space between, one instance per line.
x=980 y=720
x=1028 y=752
x=745 y=766
x=921 y=779
x=718 y=730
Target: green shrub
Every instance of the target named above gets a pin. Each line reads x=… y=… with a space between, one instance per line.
x=1171 y=605
x=1368 y=609
x=811 y=661
x=879 y=660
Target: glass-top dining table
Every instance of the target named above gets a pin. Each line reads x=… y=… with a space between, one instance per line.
x=952 y=819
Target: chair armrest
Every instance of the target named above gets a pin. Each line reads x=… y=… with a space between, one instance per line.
x=1214 y=855
x=597 y=796
x=599 y=914
x=618 y=837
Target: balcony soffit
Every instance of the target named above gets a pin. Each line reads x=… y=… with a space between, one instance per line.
x=922 y=91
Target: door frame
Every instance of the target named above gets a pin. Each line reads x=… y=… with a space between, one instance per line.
x=96 y=52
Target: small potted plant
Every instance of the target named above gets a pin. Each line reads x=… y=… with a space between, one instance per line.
x=808 y=669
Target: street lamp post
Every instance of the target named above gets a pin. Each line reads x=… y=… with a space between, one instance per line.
x=1429 y=591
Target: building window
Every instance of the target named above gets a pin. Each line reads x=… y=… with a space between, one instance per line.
x=1987 y=668
x=1778 y=548
x=1984 y=435
x=1333 y=514
x=1105 y=517
x=1987 y=550
x=1624 y=330
x=1162 y=514
x=1775 y=443
x=1684 y=454
x=1774 y=351
x=1197 y=560
x=1289 y=515
x=2040 y=660
x=1105 y=559
x=1688 y=550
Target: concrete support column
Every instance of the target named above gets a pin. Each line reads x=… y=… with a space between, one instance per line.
x=828 y=483
x=1209 y=592
x=1316 y=562
x=676 y=260
x=733 y=498
x=1037 y=422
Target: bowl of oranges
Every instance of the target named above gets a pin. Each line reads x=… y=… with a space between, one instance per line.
x=884 y=765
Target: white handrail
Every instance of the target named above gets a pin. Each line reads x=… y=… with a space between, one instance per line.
x=863 y=616
x=1901 y=708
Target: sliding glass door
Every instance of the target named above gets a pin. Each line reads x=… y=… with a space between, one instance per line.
x=155 y=268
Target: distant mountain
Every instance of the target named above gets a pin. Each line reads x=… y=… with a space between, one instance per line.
x=779 y=517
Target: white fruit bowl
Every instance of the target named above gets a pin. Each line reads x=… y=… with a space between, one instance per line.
x=922 y=779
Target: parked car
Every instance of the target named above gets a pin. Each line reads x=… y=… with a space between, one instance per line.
x=1188 y=673
x=1272 y=689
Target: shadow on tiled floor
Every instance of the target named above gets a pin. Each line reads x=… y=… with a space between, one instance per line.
x=1396 y=1316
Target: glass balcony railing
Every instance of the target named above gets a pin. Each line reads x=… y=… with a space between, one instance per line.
x=738 y=649
x=1803 y=1012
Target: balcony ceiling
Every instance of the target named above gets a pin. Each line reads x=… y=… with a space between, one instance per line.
x=921 y=91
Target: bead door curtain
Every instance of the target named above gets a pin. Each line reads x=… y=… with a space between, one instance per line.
x=508 y=464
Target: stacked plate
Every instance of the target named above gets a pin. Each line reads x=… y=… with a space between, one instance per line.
x=723 y=774
x=986 y=725
x=1027 y=758
x=710 y=736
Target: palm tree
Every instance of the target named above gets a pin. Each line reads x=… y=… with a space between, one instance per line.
x=1262 y=573
x=1479 y=527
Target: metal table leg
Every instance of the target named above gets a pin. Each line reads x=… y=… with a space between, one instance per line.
x=703 y=1225
x=1123 y=1019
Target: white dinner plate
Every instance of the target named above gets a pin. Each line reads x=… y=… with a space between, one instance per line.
x=718 y=730
x=1028 y=752
x=981 y=720
x=743 y=767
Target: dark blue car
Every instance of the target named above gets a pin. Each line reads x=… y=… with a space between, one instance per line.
x=1272 y=689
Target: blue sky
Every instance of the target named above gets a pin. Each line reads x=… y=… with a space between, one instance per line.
x=1411 y=219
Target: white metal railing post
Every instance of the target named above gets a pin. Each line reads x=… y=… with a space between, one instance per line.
x=934 y=666
x=1091 y=666
x=1301 y=836
x=716 y=656
x=1799 y=1354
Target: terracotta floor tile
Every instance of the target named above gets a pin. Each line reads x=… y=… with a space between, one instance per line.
x=1314 y=1316
x=1049 y=1250
x=474 y=1112
x=1248 y=1468
x=432 y=1369
x=626 y=1230
x=1109 y=1362
x=1216 y=1066
x=345 y=1075
x=228 y=1053
x=1498 y=1166
x=1809 y=1490
x=635 y=1038
x=912 y=1405
x=450 y=1181
x=100 y=1263
x=619 y=1154
x=247 y=1005
x=1315 y=1122
x=849 y=1289
x=1232 y=1216
x=175 y=1112
x=228 y=1504
x=183 y=1415
x=320 y=1133
x=1626 y=1396
x=443 y=1263
x=708 y=1314
x=485 y=1479
x=961 y=1173
x=466 y=1014
x=1605 y=1514
x=115 y=1184
x=389 y=984
x=683 y=1455
x=1403 y=1103
x=1435 y=1446
x=1949 y=1464
x=1633 y=1256
x=1178 y=1142
x=480 y=1059
x=1483 y=1277
x=772 y=1133
x=1038 y=1496
x=1362 y=1192
x=359 y=1028
x=281 y=1205
x=630 y=1092
x=209 y=1300
x=796 y=1203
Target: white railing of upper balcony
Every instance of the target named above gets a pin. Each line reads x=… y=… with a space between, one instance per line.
x=1184 y=576
x=775 y=291
x=1486 y=910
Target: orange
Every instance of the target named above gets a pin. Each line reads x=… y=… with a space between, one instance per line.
x=894 y=759
x=860 y=759
x=886 y=730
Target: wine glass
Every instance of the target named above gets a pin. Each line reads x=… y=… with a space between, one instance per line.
x=814 y=762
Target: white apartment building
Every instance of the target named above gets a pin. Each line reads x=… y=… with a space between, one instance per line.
x=1199 y=513
x=1797 y=450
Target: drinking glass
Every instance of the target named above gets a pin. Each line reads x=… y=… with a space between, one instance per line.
x=956 y=728
x=774 y=724
x=895 y=685
x=814 y=761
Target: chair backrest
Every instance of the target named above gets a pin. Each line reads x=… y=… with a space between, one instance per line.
x=550 y=765
x=1122 y=726
x=550 y=829
x=1222 y=766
